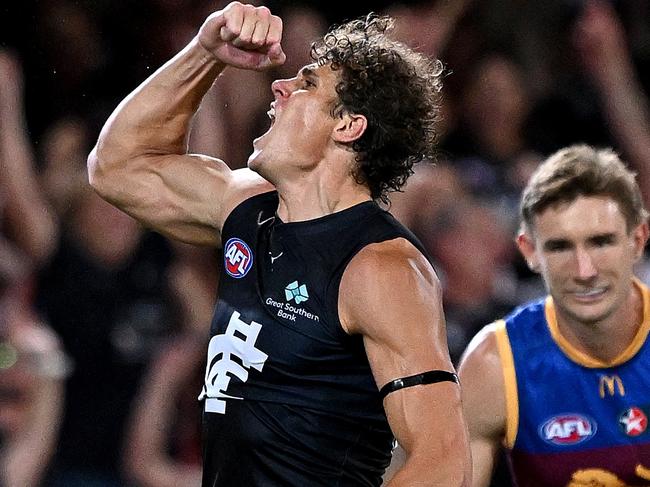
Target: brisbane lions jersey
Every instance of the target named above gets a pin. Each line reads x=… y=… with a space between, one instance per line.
x=573 y=420
x=289 y=397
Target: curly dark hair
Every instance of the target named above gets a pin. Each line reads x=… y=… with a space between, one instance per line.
x=395 y=88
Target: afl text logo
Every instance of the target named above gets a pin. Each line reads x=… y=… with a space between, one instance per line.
x=237 y=257
x=567 y=429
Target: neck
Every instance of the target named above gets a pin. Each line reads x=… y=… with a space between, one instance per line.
x=309 y=201
x=609 y=338
x=324 y=189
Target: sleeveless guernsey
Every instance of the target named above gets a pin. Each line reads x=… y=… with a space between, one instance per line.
x=289 y=397
x=573 y=421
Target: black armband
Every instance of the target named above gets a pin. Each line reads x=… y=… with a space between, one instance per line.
x=429 y=377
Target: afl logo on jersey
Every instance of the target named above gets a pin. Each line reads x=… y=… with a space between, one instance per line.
x=568 y=429
x=237 y=257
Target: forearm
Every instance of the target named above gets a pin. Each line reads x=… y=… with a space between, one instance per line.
x=27 y=456
x=626 y=108
x=155 y=118
x=147 y=460
x=435 y=443
x=451 y=13
x=626 y=111
x=31 y=221
x=601 y=41
x=448 y=470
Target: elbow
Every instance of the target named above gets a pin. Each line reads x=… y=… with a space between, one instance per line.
x=94 y=169
x=100 y=176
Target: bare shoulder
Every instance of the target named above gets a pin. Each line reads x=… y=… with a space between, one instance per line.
x=384 y=261
x=482 y=349
x=243 y=184
x=391 y=278
x=483 y=387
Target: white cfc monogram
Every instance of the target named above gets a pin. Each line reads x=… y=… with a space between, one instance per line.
x=238 y=341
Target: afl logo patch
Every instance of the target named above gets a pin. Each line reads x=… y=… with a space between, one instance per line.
x=237 y=257
x=568 y=429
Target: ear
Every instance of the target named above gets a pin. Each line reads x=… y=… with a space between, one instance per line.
x=526 y=246
x=350 y=128
x=640 y=238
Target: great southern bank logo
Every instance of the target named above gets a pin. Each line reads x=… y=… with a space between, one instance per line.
x=297 y=292
x=289 y=310
x=237 y=257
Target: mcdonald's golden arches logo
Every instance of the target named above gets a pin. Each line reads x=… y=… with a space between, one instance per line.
x=610 y=385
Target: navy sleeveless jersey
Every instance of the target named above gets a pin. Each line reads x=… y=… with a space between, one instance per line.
x=289 y=397
x=572 y=420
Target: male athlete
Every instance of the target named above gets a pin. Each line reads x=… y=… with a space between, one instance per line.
x=328 y=337
x=563 y=382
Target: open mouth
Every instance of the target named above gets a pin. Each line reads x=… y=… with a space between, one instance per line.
x=271 y=113
x=591 y=293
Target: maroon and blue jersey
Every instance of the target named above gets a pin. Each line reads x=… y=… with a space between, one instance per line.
x=573 y=420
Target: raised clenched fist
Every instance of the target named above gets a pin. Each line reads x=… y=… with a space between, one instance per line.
x=243 y=36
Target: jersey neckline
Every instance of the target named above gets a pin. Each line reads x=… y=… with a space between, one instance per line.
x=586 y=360
x=342 y=218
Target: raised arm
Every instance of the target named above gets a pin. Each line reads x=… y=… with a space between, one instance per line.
x=601 y=41
x=390 y=295
x=30 y=220
x=140 y=162
x=484 y=403
x=428 y=25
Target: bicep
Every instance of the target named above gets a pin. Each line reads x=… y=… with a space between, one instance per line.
x=426 y=419
x=483 y=403
x=181 y=196
x=404 y=335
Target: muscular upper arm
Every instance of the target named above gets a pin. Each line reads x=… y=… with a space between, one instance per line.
x=186 y=197
x=484 y=402
x=390 y=294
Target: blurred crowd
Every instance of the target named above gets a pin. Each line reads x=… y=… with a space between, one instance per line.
x=103 y=325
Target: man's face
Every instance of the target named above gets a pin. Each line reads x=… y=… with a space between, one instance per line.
x=585 y=255
x=301 y=121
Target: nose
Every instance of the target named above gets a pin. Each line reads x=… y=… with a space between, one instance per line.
x=281 y=88
x=585 y=265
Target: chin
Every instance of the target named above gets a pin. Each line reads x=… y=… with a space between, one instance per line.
x=256 y=163
x=252 y=162
x=592 y=316
x=255 y=160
